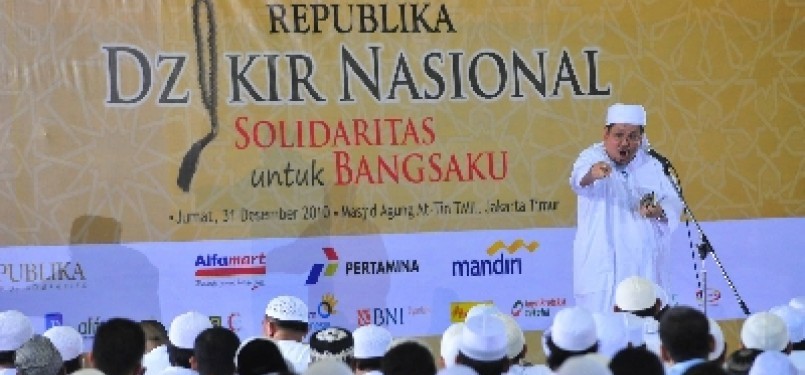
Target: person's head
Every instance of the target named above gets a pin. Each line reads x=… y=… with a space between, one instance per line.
x=70 y=345
x=572 y=334
x=286 y=318
x=612 y=333
x=155 y=334
x=740 y=361
x=515 y=339
x=684 y=335
x=214 y=352
x=332 y=342
x=15 y=330
x=588 y=364
x=259 y=356
x=371 y=344
x=483 y=345
x=636 y=295
x=182 y=336
x=636 y=361
x=706 y=368
x=772 y=363
x=765 y=331
x=448 y=348
x=794 y=321
x=623 y=133
x=408 y=358
x=118 y=347
x=38 y=356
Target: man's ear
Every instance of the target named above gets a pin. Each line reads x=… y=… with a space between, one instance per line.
x=664 y=355
x=193 y=363
x=89 y=360
x=140 y=371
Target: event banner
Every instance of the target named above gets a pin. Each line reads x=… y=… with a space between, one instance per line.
x=208 y=119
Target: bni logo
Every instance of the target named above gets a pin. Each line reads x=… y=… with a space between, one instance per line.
x=381 y=316
x=497 y=265
x=318 y=268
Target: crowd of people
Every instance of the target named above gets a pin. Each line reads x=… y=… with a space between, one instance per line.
x=640 y=335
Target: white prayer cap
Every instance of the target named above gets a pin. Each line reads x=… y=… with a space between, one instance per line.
x=635 y=293
x=772 y=363
x=449 y=345
x=481 y=308
x=764 y=331
x=635 y=327
x=586 y=364
x=15 y=330
x=483 y=338
x=515 y=339
x=328 y=367
x=457 y=370
x=185 y=327
x=574 y=329
x=288 y=308
x=611 y=331
x=371 y=341
x=67 y=340
x=718 y=338
x=794 y=320
x=620 y=113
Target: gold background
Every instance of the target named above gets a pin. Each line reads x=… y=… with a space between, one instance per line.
x=723 y=83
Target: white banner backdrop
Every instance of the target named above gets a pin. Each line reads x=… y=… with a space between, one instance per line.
x=415 y=284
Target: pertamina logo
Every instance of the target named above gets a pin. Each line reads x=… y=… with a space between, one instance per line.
x=214 y=265
x=497 y=265
x=318 y=268
x=386 y=316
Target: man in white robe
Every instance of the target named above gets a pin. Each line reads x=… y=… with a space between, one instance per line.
x=627 y=209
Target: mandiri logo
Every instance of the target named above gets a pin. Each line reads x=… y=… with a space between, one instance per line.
x=318 y=268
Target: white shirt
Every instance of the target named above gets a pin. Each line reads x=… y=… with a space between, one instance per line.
x=297 y=353
x=156 y=360
x=176 y=370
x=613 y=241
x=8 y=371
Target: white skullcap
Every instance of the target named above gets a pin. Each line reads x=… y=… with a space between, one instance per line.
x=186 y=327
x=718 y=339
x=635 y=293
x=636 y=327
x=483 y=338
x=764 y=331
x=586 y=364
x=15 y=330
x=772 y=363
x=449 y=345
x=611 y=331
x=67 y=340
x=794 y=320
x=574 y=329
x=457 y=370
x=662 y=295
x=515 y=339
x=619 y=113
x=287 y=308
x=328 y=367
x=371 y=341
x=481 y=308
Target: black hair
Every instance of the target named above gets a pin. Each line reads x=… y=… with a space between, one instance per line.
x=154 y=331
x=72 y=365
x=685 y=333
x=118 y=346
x=7 y=357
x=740 y=361
x=290 y=325
x=558 y=356
x=636 y=361
x=799 y=345
x=496 y=367
x=260 y=356
x=179 y=357
x=408 y=358
x=214 y=351
x=705 y=368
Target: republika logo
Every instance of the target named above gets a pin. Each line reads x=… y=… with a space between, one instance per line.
x=318 y=268
x=501 y=265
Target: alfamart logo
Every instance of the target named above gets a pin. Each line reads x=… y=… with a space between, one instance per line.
x=214 y=265
x=318 y=268
x=501 y=265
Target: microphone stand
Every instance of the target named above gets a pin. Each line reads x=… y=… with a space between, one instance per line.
x=704 y=247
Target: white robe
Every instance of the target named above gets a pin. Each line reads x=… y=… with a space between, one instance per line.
x=613 y=241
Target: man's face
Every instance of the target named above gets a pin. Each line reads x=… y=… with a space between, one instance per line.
x=622 y=141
